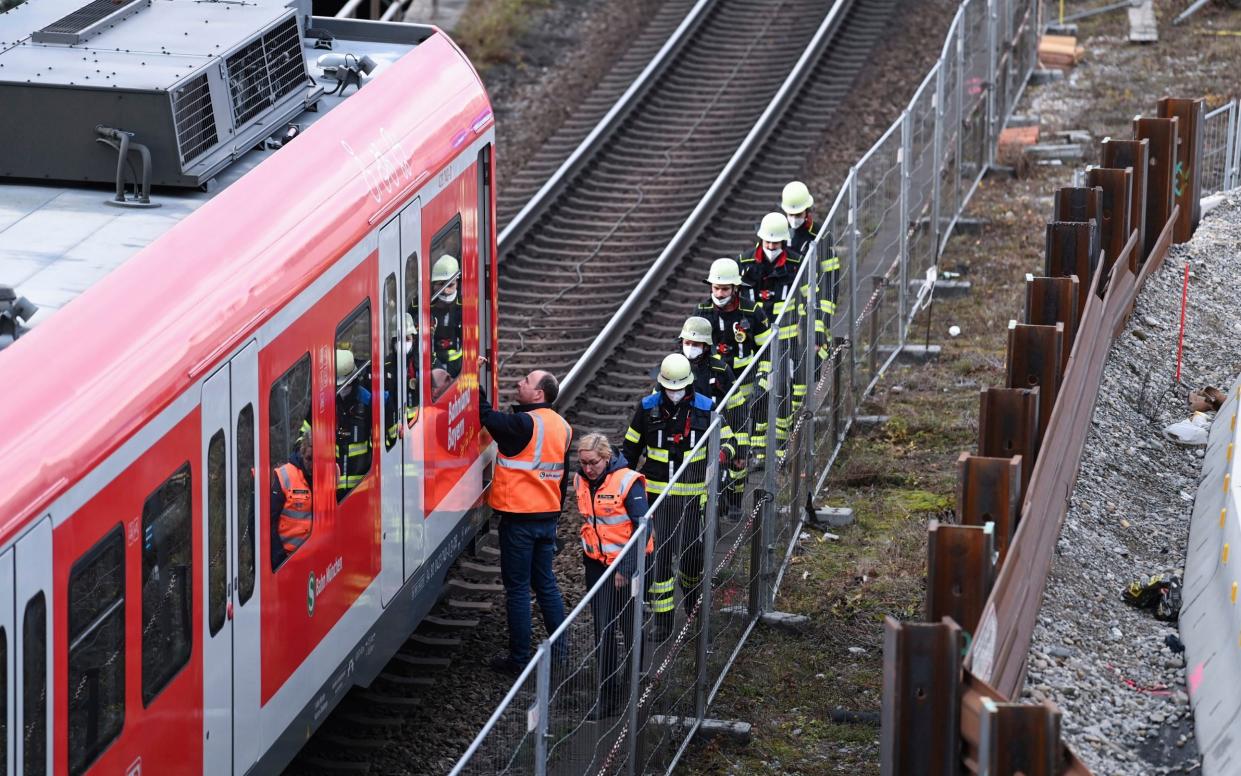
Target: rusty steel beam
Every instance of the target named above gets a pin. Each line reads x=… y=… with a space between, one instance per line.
x=1019 y=738
x=1008 y=426
x=1069 y=252
x=1134 y=154
x=960 y=569
x=1034 y=362
x=1187 y=183
x=989 y=491
x=1116 y=186
x=1162 y=134
x=920 y=730
x=1079 y=204
x=1054 y=300
x=975 y=694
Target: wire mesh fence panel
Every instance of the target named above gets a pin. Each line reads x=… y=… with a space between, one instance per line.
x=975 y=129
x=1217 y=135
x=507 y=743
x=878 y=223
x=950 y=193
x=922 y=240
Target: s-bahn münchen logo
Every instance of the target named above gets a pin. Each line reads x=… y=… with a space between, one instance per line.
x=310 y=595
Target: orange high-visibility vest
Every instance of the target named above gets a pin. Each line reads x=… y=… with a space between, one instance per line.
x=529 y=482
x=296 y=517
x=606 y=526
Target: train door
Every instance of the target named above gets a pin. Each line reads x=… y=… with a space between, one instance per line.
x=230 y=585
x=414 y=296
x=29 y=575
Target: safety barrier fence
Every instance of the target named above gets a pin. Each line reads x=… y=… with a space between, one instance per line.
x=625 y=683
x=986 y=574
x=1210 y=625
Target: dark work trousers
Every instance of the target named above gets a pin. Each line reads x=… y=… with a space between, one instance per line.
x=611 y=610
x=678 y=538
x=526 y=551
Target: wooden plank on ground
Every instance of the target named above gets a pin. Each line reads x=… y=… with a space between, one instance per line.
x=1142 y=27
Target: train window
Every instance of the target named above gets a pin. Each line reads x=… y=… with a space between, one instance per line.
x=4 y=702
x=446 y=343
x=290 y=445
x=168 y=571
x=412 y=362
x=217 y=532
x=96 y=650
x=245 y=504
x=353 y=400
x=394 y=352
x=34 y=686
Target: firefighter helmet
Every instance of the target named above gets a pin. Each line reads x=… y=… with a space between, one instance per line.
x=409 y=324
x=697 y=329
x=675 y=372
x=344 y=365
x=724 y=272
x=445 y=269
x=796 y=198
x=774 y=228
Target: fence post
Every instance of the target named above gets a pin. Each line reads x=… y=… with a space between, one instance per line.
x=543 y=679
x=1230 y=137
x=636 y=586
x=1235 y=140
x=903 y=320
x=960 y=128
x=938 y=145
x=811 y=365
x=993 y=118
x=710 y=515
x=853 y=283
x=920 y=717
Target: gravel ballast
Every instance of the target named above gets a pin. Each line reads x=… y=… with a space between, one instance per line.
x=1108 y=666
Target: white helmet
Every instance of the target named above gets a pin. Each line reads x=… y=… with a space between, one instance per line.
x=774 y=228
x=796 y=198
x=445 y=269
x=697 y=329
x=409 y=324
x=725 y=272
x=344 y=365
x=675 y=372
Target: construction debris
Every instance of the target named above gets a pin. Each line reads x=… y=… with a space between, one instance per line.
x=1142 y=27
x=1059 y=51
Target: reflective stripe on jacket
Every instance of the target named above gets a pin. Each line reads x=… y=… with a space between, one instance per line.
x=606 y=524
x=529 y=482
x=297 y=515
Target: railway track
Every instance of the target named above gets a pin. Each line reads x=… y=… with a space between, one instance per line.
x=598 y=235
x=567 y=270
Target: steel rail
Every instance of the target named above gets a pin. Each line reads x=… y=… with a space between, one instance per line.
x=590 y=145
x=624 y=318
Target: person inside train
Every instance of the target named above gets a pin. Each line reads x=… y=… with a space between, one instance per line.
x=611 y=499
x=353 y=422
x=401 y=351
x=446 y=316
x=292 y=502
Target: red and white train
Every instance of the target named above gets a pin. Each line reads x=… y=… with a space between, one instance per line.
x=144 y=627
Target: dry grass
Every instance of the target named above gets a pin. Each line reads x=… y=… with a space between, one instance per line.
x=489 y=30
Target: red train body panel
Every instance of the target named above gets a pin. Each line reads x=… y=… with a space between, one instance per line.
x=140 y=419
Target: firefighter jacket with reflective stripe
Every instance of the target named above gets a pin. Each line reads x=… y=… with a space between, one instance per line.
x=606 y=522
x=712 y=376
x=529 y=482
x=296 y=516
x=738 y=330
x=769 y=281
x=668 y=435
x=353 y=438
x=446 y=336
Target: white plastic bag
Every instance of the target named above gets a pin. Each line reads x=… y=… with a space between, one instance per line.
x=1191 y=432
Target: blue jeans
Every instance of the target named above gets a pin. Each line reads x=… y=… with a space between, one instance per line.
x=526 y=551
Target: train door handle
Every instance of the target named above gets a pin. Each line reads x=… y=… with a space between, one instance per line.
x=228 y=610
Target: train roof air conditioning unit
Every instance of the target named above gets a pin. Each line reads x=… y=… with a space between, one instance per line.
x=197 y=83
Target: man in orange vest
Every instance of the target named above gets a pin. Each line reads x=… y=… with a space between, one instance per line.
x=528 y=493
x=611 y=498
x=292 y=509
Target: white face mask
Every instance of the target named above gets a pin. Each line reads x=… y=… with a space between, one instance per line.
x=674 y=396
x=796 y=221
x=721 y=302
x=449 y=296
x=692 y=351
x=772 y=253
